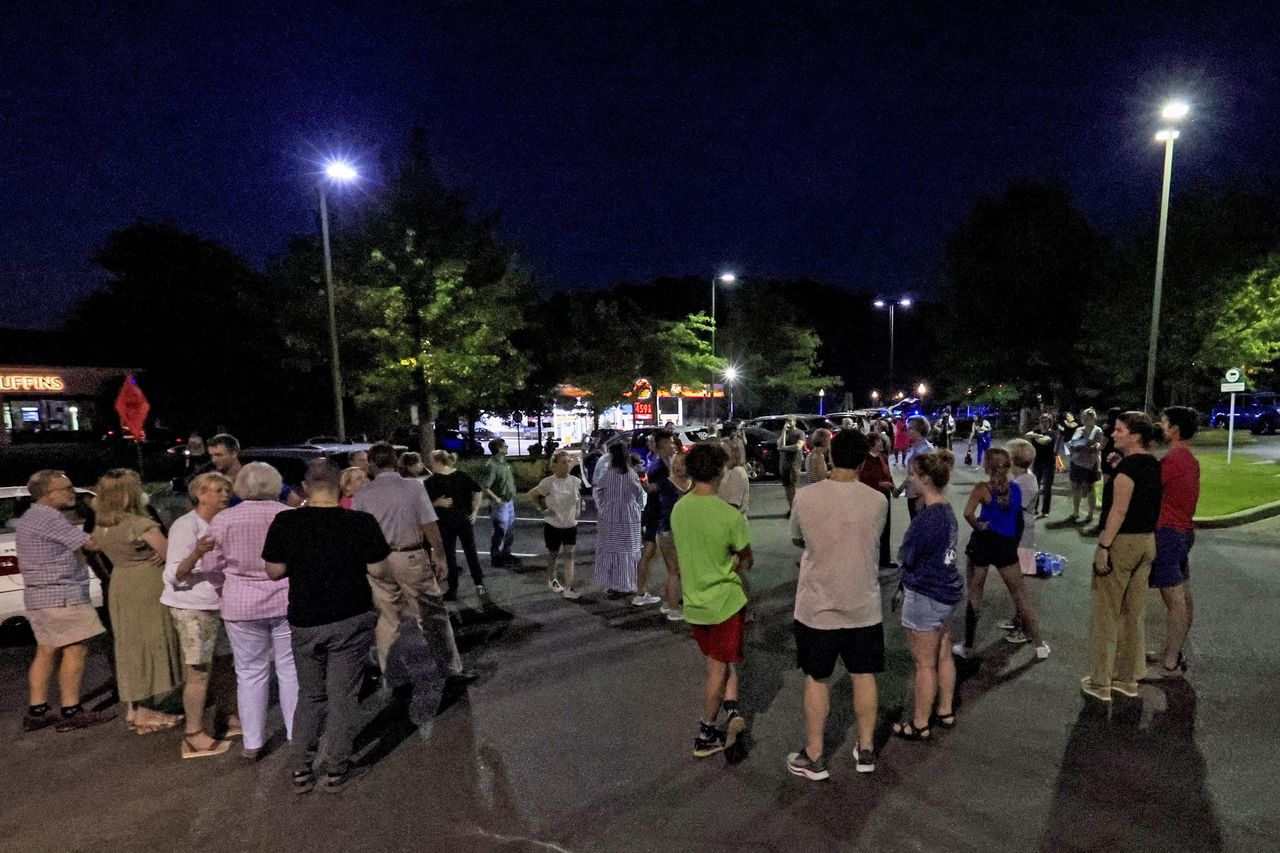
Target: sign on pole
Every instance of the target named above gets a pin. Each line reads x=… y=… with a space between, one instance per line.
x=1231 y=384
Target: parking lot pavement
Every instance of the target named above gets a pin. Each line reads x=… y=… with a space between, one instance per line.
x=577 y=737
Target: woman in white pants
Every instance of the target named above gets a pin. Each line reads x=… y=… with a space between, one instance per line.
x=254 y=607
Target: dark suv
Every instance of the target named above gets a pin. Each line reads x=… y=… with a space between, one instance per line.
x=1258 y=412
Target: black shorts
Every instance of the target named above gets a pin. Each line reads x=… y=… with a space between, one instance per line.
x=988 y=548
x=553 y=537
x=861 y=649
x=649 y=518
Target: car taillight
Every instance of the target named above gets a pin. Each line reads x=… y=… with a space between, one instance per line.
x=685 y=448
x=8 y=566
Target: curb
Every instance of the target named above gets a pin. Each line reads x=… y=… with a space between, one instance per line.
x=1235 y=519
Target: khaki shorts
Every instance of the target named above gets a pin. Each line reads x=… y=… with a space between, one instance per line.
x=65 y=626
x=197 y=634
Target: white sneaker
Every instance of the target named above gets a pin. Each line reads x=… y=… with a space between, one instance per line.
x=1042 y=651
x=1007 y=625
x=664 y=609
x=675 y=615
x=644 y=600
x=961 y=651
x=571 y=594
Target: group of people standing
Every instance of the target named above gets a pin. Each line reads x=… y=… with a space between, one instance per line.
x=306 y=594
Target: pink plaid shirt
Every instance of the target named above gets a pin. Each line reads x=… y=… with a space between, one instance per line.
x=238 y=535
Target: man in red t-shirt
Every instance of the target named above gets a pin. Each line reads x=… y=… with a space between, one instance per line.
x=1175 y=534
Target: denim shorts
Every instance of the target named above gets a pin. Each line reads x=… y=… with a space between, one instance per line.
x=1171 y=567
x=922 y=613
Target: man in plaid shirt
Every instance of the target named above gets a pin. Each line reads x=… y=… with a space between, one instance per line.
x=56 y=596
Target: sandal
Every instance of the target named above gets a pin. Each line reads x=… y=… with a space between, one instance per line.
x=947 y=721
x=190 y=750
x=908 y=731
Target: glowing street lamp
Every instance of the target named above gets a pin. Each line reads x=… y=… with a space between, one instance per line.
x=723 y=278
x=891 y=305
x=1173 y=111
x=337 y=172
x=731 y=375
x=875 y=396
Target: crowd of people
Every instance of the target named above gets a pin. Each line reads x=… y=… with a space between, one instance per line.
x=310 y=588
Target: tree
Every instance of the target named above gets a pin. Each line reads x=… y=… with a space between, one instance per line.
x=442 y=298
x=205 y=330
x=1023 y=271
x=1247 y=330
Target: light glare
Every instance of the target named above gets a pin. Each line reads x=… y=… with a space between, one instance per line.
x=731 y=373
x=728 y=278
x=1175 y=110
x=1166 y=135
x=339 y=171
x=904 y=302
x=879 y=303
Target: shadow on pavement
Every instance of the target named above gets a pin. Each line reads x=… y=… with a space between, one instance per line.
x=1124 y=788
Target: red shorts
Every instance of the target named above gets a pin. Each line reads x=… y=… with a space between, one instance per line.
x=722 y=642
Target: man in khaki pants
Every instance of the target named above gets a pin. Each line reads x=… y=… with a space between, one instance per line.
x=407 y=585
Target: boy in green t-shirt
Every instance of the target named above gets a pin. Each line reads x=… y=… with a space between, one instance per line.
x=714 y=550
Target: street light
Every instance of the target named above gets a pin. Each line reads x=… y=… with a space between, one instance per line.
x=731 y=376
x=891 y=305
x=723 y=278
x=822 y=399
x=340 y=173
x=1173 y=111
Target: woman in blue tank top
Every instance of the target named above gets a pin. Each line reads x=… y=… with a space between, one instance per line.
x=994 y=511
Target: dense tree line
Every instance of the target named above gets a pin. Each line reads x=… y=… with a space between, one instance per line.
x=439 y=317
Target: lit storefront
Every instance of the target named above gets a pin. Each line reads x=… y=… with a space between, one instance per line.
x=43 y=399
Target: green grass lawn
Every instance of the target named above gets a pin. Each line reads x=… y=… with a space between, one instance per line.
x=1243 y=484
x=1218 y=438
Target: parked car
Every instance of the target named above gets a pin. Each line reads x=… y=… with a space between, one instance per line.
x=291 y=460
x=808 y=423
x=1258 y=412
x=456 y=441
x=762 y=452
x=14 y=501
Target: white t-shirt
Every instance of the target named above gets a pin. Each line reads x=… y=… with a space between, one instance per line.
x=1030 y=494
x=197 y=591
x=563 y=498
x=735 y=489
x=840 y=524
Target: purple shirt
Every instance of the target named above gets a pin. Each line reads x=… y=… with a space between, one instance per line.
x=54 y=571
x=238 y=535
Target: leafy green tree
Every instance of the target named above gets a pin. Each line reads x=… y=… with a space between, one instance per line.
x=1247 y=330
x=441 y=298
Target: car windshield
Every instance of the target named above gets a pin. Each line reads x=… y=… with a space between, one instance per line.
x=699 y=434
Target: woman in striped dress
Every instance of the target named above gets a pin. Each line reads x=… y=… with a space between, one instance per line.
x=619 y=498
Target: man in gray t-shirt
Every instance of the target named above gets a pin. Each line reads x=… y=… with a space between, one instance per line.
x=838 y=615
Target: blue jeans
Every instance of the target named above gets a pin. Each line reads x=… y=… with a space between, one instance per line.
x=984 y=444
x=504 y=523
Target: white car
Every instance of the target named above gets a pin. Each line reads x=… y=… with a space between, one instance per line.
x=14 y=501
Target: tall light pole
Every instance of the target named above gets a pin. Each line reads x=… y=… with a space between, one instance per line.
x=1172 y=111
x=723 y=278
x=341 y=173
x=891 y=305
x=731 y=376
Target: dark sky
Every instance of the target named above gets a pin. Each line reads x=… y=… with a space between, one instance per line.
x=621 y=140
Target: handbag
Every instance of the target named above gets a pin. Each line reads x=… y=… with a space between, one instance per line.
x=968 y=457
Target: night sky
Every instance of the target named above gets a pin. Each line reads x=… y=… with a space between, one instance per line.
x=621 y=140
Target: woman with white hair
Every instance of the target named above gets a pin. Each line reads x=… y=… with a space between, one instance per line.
x=254 y=607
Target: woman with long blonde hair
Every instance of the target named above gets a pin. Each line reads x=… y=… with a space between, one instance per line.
x=148 y=661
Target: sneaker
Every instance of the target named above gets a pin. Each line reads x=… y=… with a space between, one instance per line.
x=481 y=592
x=1016 y=637
x=335 y=782
x=84 y=720
x=644 y=600
x=1126 y=689
x=664 y=609
x=1042 y=651
x=35 y=724
x=555 y=586
x=571 y=594
x=709 y=741
x=1007 y=625
x=800 y=764
x=962 y=651
x=866 y=759
x=733 y=729
x=675 y=615
x=1088 y=688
